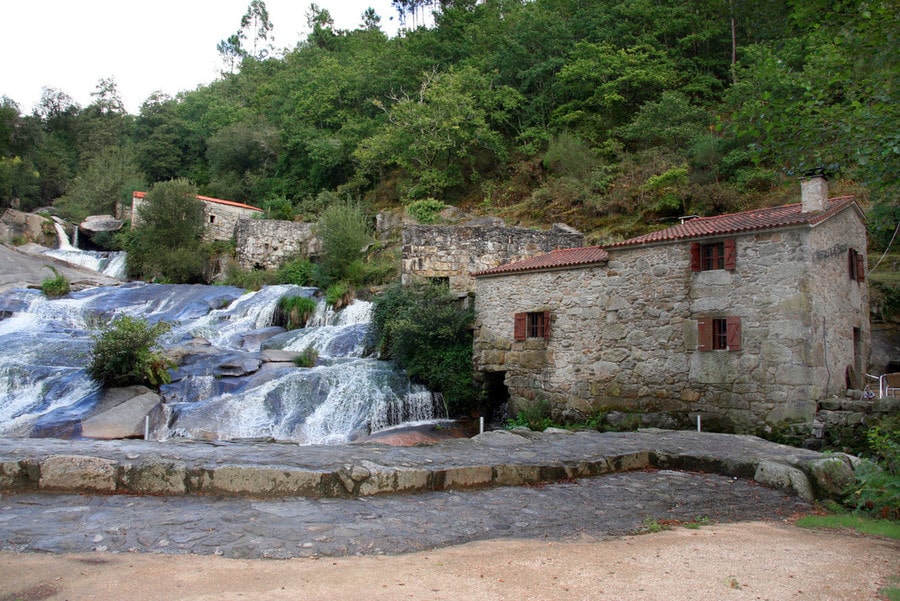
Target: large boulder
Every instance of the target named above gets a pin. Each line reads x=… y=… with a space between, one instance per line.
x=94 y=224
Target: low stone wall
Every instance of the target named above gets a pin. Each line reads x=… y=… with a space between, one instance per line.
x=268 y=243
x=454 y=252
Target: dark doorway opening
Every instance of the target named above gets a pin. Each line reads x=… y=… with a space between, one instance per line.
x=496 y=411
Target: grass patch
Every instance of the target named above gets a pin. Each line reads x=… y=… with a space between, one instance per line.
x=307 y=357
x=864 y=525
x=892 y=591
x=56 y=285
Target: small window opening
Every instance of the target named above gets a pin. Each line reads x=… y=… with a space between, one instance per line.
x=720 y=334
x=212 y=218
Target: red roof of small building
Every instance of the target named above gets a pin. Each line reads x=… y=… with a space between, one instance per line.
x=732 y=223
x=757 y=219
x=230 y=203
x=565 y=257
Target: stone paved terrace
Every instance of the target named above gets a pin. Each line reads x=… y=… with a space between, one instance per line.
x=493 y=459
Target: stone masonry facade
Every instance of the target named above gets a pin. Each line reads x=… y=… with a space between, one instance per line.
x=220 y=217
x=267 y=244
x=454 y=252
x=625 y=333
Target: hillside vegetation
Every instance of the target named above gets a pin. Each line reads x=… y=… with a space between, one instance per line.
x=615 y=116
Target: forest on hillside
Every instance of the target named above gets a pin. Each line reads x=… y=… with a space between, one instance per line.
x=611 y=115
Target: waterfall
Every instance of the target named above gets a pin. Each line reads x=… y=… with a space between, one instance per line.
x=111 y=264
x=223 y=388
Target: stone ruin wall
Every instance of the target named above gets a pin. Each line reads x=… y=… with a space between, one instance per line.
x=268 y=243
x=455 y=251
x=221 y=220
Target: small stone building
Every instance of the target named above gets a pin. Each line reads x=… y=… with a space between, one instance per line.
x=219 y=216
x=453 y=252
x=744 y=319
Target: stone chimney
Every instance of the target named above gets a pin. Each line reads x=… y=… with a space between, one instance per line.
x=814 y=193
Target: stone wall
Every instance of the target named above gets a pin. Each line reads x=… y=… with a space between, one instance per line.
x=624 y=335
x=221 y=219
x=454 y=252
x=268 y=243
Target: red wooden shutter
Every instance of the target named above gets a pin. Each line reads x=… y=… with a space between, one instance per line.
x=733 y=330
x=730 y=254
x=521 y=326
x=695 y=256
x=860 y=267
x=547 y=325
x=704 y=334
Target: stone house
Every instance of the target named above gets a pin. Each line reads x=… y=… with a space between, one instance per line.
x=746 y=319
x=453 y=252
x=220 y=216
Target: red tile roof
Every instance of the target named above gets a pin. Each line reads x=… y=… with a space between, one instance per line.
x=230 y=203
x=732 y=223
x=720 y=225
x=566 y=257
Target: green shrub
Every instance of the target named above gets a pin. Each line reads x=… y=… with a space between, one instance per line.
x=279 y=208
x=535 y=416
x=296 y=310
x=425 y=210
x=298 y=271
x=307 y=357
x=249 y=279
x=877 y=487
x=337 y=294
x=344 y=231
x=55 y=286
x=127 y=352
x=423 y=330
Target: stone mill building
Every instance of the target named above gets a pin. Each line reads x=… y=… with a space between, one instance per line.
x=739 y=318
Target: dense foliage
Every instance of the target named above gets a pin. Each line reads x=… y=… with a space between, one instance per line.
x=612 y=115
x=422 y=328
x=56 y=285
x=168 y=245
x=126 y=352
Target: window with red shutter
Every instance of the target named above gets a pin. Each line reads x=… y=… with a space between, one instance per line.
x=860 y=268
x=719 y=334
x=714 y=255
x=532 y=325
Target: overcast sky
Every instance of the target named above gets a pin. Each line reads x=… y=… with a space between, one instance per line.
x=149 y=45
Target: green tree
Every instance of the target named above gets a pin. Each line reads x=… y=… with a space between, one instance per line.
x=421 y=328
x=256 y=27
x=110 y=178
x=166 y=245
x=447 y=127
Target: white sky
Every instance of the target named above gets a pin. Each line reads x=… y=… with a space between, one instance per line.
x=148 y=45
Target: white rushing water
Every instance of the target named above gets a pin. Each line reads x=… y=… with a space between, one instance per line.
x=223 y=389
x=111 y=264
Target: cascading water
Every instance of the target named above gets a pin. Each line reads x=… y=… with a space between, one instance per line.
x=227 y=386
x=111 y=264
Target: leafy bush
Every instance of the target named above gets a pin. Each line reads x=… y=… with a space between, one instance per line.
x=568 y=155
x=55 y=286
x=425 y=210
x=338 y=294
x=296 y=310
x=126 y=352
x=535 y=416
x=877 y=488
x=343 y=228
x=299 y=271
x=279 y=208
x=249 y=279
x=422 y=329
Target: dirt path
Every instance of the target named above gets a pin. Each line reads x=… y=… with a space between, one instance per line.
x=749 y=561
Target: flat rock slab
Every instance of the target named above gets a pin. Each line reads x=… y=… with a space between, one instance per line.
x=500 y=458
x=125 y=420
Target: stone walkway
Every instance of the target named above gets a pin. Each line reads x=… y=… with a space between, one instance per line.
x=585 y=509
x=493 y=459
x=263 y=499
